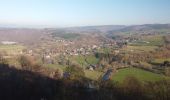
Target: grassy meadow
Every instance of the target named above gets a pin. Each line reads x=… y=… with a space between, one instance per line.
x=11 y=49
x=139 y=48
x=154 y=40
x=160 y=61
x=140 y=74
x=93 y=75
x=91 y=59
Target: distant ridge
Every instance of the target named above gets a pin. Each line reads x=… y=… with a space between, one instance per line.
x=32 y=35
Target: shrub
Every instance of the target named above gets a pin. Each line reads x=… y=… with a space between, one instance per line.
x=75 y=71
x=132 y=88
x=26 y=62
x=167 y=71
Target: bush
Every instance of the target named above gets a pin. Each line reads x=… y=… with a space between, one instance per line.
x=158 y=90
x=75 y=71
x=133 y=89
x=167 y=71
x=26 y=62
x=2 y=59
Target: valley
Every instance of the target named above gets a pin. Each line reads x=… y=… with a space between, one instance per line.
x=90 y=57
x=90 y=48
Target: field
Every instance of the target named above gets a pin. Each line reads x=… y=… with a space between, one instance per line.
x=11 y=49
x=68 y=36
x=140 y=74
x=105 y=50
x=93 y=75
x=153 y=40
x=139 y=48
x=53 y=66
x=160 y=61
x=91 y=59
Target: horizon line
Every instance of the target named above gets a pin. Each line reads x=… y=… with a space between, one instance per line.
x=12 y=26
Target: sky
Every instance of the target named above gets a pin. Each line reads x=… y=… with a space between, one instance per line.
x=68 y=13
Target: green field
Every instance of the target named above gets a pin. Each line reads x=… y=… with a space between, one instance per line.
x=66 y=35
x=105 y=50
x=139 y=48
x=91 y=59
x=160 y=61
x=54 y=66
x=157 y=40
x=93 y=75
x=140 y=74
x=11 y=49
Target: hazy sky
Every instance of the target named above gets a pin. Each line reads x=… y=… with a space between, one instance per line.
x=64 y=13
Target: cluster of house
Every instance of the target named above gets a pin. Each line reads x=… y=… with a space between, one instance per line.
x=82 y=50
x=65 y=42
x=70 y=47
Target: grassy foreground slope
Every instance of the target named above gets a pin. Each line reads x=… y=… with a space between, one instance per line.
x=140 y=74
